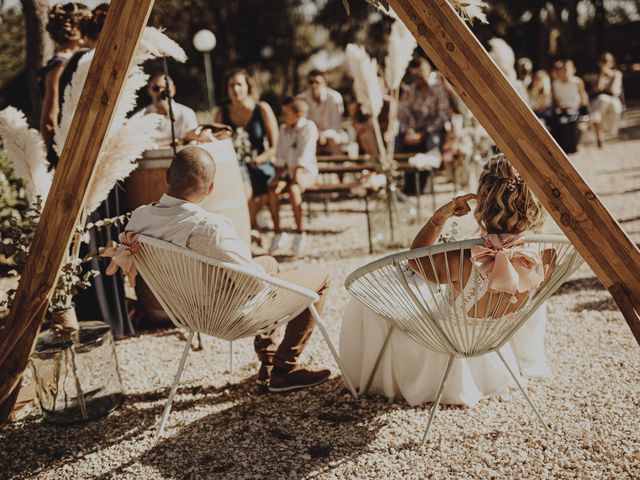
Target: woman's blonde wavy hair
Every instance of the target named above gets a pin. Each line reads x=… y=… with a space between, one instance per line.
x=505 y=203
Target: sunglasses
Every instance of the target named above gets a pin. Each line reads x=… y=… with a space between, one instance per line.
x=157 y=88
x=314 y=82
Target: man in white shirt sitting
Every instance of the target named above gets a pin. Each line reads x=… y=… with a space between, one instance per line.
x=185 y=118
x=296 y=168
x=179 y=219
x=325 y=110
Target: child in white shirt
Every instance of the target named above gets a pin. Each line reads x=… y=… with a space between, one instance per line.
x=296 y=168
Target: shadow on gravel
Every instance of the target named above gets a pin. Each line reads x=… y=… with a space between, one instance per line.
x=267 y=436
x=51 y=445
x=606 y=304
x=580 y=284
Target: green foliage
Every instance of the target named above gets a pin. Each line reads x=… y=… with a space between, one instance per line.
x=16 y=231
x=17 y=234
x=72 y=279
x=13 y=203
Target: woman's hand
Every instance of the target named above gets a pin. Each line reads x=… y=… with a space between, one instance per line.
x=429 y=233
x=458 y=207
x=260 y=159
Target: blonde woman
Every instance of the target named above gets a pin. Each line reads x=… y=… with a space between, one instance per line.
x=504 y=205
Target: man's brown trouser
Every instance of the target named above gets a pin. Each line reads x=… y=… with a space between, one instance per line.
x=299 y=329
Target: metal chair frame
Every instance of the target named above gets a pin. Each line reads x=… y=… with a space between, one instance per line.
x=388 y=287
x=220 y=299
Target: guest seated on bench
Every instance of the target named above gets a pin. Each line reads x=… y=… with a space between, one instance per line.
x=325 y=110
x=178 y=218
x=296 y=169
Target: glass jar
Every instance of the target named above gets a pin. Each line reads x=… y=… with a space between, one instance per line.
x=76 y=375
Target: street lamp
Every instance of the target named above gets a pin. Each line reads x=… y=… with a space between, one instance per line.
x=205 y=41
x=267 y=52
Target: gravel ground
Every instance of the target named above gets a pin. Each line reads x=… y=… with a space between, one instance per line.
x=221 y=427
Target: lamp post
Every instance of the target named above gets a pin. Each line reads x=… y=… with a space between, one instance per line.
x=205 y=41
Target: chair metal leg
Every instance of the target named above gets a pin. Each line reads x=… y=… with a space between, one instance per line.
x=434 y=409
x=200 y=346
x=365 y=391
x=367 y=213
x=347 y=380
x=432 y=189
x=174 y=387
x=515 y=378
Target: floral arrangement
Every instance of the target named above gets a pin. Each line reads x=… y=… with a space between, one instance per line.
x=242 y=144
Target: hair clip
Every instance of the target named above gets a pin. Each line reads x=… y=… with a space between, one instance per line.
x=512 y=183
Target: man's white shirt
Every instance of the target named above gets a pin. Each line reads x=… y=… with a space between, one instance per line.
x=297 y=147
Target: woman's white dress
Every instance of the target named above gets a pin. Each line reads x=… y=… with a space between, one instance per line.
x=411 y=372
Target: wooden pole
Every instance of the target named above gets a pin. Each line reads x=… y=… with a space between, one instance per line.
x=108 y=72
x=578 y=211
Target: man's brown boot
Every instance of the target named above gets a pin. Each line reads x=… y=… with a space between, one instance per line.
x=283 y=380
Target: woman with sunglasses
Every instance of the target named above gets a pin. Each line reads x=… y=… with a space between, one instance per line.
x=185 y=117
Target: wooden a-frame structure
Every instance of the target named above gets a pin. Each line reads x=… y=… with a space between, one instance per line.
x=455 y=52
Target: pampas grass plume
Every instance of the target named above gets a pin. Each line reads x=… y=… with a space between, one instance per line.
x=118 y=157
x=471 y=10
x=155 y=44
x=366 y=84
x=401 y=47
x=26 y=153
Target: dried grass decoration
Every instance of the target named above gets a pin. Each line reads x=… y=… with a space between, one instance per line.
x=125 y=142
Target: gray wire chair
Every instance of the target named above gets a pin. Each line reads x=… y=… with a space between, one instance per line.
x=220 y=299
x=430 y=314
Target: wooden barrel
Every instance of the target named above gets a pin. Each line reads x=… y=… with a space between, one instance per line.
x=147 y=184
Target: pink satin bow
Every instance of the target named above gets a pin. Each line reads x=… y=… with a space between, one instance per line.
x=509 y=266
x=122 y=256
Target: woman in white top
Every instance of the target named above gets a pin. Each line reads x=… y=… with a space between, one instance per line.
x=411 y=372
x=606 y=107
x=570 y=102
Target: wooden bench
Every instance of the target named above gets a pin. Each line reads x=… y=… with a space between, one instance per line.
x=342 y=189
x=403 y=166
x=341 y=165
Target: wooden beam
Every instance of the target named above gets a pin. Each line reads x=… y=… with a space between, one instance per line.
x=458 y=54
x=108 y=72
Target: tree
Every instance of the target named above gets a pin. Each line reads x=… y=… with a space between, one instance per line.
x=12 y=46
x=39 y=50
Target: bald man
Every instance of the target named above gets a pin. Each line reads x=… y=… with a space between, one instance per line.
x=178 y=218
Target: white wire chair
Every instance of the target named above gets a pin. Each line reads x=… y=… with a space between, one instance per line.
x=220 y=299
x=427 y=312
